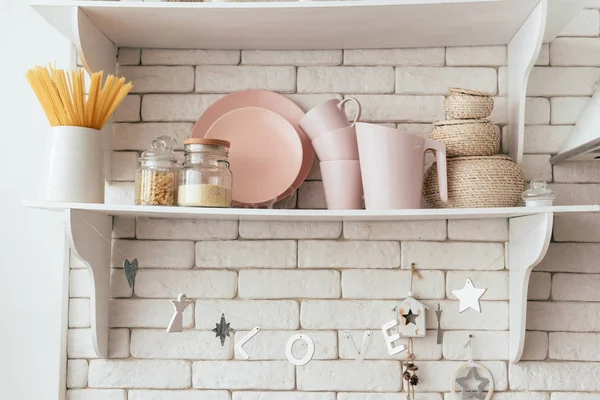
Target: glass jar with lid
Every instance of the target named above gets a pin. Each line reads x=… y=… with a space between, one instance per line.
x=156 y=176
x=538 y=194
x=205 y=179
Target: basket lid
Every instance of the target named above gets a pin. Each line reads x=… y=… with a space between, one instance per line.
x=461 y=122
x=469 y=92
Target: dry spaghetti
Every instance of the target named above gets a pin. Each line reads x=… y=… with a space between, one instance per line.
x=62 y=96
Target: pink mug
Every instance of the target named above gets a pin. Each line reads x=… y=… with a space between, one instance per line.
x=328 y=116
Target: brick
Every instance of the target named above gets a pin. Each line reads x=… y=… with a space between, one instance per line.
x=154 y=253
x=424 y=348
x=140 y=136
x=176 y=107
x=315 y=174
x=300 y=58
x=591 y=4
x=290 y=229
x=574 y=346
x=140 y=374
x=580 y=227
x=476 y=56
x=395 y=230
x=272 y=375
x=267 y=314
x=283 y=396
x=346 y=314
x=540 y=285
x=120 y=193
x=387 y=396
x=376 y=376
x=393 y=108
x=128 y=56
x=537 y=166
x=79 y=313
x=575 y=52
x=193 y=345
x=96 y=394
x=576 y=287
x=429 y=56
x=77 y=374
x=79 y=283
x=544 y=56
x=178 y=395
x=159 y=79
x=567 y=110
x=123 y=167
x=536 y=346
x=270 y=345
x=346 y=79
x=246 y=254
x=586 y=23
x=390 y=284
x=577 y=172
x=563 y=81
x=574 y=396
x=225 y=79
x=495 y=348
x=543 y=139
x=139 y=313
x=309 y=101
x=433 y=80
x=492 y=230
x=311 y=196
x=559 y=376
x=74 y=262
x=496 y=283
x=79 y=343
x=435 y=375
x=348 y=254
x=555 y=316
x=189 y=57
x=537 y=111
x=493 y=316
x=281 y=284
x=186 y=229
x=422 y=130
x=195 y=284
x=129 y=109
x=453 y=255
x=571 y=257
x=513 y=396
x=119 y=287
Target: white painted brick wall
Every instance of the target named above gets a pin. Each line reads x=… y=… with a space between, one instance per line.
x=329 y=278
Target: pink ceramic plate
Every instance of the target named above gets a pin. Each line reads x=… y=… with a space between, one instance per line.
x=265 y=153
x=263 y=99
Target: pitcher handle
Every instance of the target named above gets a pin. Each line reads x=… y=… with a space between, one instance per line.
x=358 y=108
x=440 y=156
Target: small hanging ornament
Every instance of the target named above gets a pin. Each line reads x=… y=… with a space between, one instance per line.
x=438 y=316
x=412 y=312
x=409 y=373
x=176 y=324
x=469 y=296
x=476 y=383
x=222 y=330
x=366 y=341
x=130 y=268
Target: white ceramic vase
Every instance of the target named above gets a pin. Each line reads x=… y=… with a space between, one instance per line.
x=73 y=167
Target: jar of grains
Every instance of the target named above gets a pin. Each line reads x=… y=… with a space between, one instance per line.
x=205 y=179
x=156 y=177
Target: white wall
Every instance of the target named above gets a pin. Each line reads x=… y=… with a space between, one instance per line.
x=31 y=241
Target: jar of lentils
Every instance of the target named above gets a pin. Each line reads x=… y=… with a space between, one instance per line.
x=205 y=178
x=156 y=176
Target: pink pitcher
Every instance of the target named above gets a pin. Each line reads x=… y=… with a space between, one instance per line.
x=392 y=163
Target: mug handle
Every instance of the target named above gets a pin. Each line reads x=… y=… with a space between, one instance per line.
x=358 y=108
x=440 y=158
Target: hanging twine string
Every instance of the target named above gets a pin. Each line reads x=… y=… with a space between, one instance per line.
x=413 y=271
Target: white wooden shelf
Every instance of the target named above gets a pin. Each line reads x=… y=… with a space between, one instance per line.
x=530 y=231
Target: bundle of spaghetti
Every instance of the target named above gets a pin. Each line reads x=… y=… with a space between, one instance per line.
x=62 y=96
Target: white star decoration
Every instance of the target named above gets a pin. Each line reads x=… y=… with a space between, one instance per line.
x=469 y=296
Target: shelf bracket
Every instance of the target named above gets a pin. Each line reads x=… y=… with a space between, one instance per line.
x=523 y=51
x=529 y=238
x=90 y=234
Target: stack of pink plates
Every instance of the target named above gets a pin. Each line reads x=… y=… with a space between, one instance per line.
x=270 y=155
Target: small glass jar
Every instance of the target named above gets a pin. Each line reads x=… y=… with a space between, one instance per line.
x=205 y=179
x=156 y=176
x=538 y=194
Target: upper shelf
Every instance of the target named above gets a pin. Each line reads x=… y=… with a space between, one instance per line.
x=307 y=25
x=307 y=215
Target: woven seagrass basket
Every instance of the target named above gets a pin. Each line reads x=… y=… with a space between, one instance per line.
x=468 y=104
x=477 y=182
x=464 y=138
